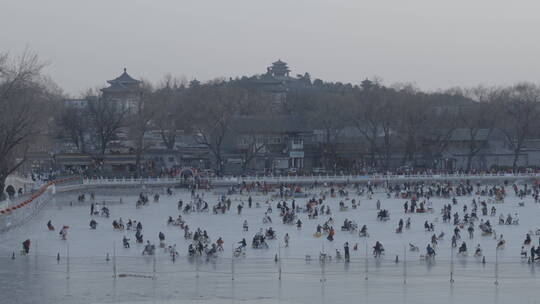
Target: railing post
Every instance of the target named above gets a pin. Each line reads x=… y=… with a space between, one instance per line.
x=36 y=255
x=279 y=257
x=404 y=264
x=114 y=260
x=232 y=264
x=67 y=262
x=366 y=264
x=323 y=267
x=497 y=266
x=197 y=267
x=154 y=267
x=451 y=265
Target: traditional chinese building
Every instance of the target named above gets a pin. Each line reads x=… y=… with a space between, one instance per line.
x=278 y=82
x=124 y=89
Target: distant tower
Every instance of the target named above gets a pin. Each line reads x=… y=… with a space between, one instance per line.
x=279 y=69
x=276 y=82
x=124 y=89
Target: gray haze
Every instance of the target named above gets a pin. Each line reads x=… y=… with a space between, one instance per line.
x=436 y=44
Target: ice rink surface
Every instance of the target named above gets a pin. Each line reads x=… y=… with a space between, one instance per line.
x=87 y=276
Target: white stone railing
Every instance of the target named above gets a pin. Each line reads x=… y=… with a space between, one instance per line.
x=27 y=206
x=307 y=179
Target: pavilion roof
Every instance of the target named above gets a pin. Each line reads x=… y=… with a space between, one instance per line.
x=115 y=87
x=279 y=62
x=124 y=78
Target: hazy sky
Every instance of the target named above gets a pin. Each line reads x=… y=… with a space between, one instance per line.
x=435 y=44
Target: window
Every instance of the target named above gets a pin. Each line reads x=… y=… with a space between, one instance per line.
x=297 y=141
x=274 y=140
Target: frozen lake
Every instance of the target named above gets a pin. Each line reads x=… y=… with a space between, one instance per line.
x=255 y=278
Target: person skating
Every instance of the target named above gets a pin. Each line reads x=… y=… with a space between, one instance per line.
x=527 y=239
x=463 y=248
x=378 y=249
x=219 y=243
x=161 y=237
x=478 y=251
x=363 y=231
x=434 y=240
x=400 y=226
x=63 y=233
x=125 y=242
x=331 y=233
x=239 y=207
x=50 y=226
x=105 y=211
x=191 y=250
x=26 y=246
x=471 y=230
x=139 y=236
x=148 y=249
x=501 y=242
x=430 y=252
x=523 y=252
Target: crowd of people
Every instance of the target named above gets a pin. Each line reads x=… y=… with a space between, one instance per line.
x=468 y=207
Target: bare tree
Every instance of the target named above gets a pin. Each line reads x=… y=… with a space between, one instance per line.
x=376 y=118
x=414 y=109
x=367 y=110
x=172 y=112
x=106 y=119
x=250 y=146
x=331 y=113
x=387 y=123
x=213 y=106
x=139 y=122
x=442 y=123
x=23 y=105
x=521 y=104
x=72 y=124
x=478 y=120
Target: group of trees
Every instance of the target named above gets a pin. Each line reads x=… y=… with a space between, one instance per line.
x=27 y=99
x=201 y=110
x=398 y=122
x=414 y=126
x=390 y=120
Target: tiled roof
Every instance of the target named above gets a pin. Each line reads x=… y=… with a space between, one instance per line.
x=124 y=78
